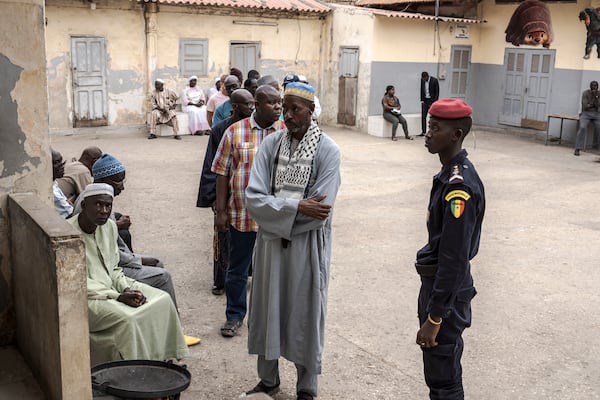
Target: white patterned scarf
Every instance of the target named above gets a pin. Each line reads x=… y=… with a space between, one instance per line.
x=292 y=171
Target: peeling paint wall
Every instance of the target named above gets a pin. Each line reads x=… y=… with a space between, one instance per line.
x=290 y=46
x=293 y=45
x=347 y=27
x=121 y=23
x=25 y=164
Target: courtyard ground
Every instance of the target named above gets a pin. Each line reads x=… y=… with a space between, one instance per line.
x=535 y=319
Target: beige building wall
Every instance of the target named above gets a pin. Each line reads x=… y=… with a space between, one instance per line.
x=568 y=39
x=25 y=164
x=415 y=40
x=292 y=46
x=122 y=25
x=346 y=27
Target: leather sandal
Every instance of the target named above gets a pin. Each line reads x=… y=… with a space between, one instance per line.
x=231 y=328
x=262 y=388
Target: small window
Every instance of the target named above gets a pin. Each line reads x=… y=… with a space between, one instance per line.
x=193 y=57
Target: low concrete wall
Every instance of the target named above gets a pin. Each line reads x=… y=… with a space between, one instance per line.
x=50 y=297
x=377 y=126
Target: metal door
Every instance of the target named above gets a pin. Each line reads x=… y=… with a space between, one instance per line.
x=527 y=87
x=348 y=84
x=537 y=91
x=244 y=56
x=88 y=60
x=460 y=62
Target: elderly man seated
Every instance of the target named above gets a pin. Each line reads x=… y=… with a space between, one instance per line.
x=162 y=104
x=127 y=319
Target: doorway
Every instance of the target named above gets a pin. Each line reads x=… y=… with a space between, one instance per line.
x=244 y=56
x=528 y=75
x=347 y=86
x=88 y=60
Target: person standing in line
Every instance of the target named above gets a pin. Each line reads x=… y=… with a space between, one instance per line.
x=216 y=100
x=590 y=112
x=232 y=164
x=224 y=110
x=391 y=112
x=455 y=215
x=243 y=106
x=430 y=92
x=293 y=186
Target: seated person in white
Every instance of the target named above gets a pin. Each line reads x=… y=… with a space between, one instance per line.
x=193 y=103
x=127 y=319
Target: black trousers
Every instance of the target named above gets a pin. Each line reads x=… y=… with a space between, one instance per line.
x=441 y=364
x=424 y=111
x=221 y=258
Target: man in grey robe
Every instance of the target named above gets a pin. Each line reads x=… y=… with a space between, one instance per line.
x=293 y=185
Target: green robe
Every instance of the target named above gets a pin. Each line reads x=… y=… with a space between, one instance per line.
x=118 y=331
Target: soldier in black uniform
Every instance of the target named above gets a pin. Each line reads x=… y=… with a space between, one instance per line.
x=456 y=208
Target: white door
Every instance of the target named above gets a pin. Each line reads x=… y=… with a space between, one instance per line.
x=88 y=60
x=244 y=56
x=527 y=87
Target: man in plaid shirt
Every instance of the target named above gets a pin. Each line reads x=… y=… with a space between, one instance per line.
x=232 y=164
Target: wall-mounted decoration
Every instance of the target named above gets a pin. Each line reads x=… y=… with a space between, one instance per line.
x=591 y=17
x=530 y=25
x=462 y=31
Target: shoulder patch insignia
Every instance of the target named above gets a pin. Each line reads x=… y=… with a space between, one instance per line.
x=457 y=193
x=457 y=199
x=455 y=175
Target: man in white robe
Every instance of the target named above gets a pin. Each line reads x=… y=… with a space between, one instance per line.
x=127 y=319
x=293 y=185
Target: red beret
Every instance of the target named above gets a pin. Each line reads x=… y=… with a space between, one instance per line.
x=450 y=109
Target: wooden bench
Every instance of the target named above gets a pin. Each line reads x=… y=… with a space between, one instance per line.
x=377 y=126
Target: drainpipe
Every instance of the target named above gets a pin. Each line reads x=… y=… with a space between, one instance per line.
x=150 y=18
x=437 y=35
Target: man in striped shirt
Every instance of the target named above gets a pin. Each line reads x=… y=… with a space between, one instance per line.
x=232 y=164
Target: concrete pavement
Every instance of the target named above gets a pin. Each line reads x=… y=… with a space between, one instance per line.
x=537 y=272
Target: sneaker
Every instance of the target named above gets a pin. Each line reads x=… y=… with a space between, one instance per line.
x=217 y=291
x=262 y=388
x=177 y=137
x=576 y=152
x=231 y=328
x=152 y=136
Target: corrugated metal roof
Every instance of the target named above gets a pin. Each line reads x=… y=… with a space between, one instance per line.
x=309 y=6
x=400 y=14
x=390 y=2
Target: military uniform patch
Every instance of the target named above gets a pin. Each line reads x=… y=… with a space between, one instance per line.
x=457 y=199
x=456 y=175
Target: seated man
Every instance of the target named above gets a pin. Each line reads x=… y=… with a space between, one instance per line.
x=78 y=174
x=127 y=319
x=162 y=104
x=146 y=269
x=61 y=204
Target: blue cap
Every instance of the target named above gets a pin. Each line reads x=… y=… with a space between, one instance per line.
x=105 y=166
x=301 y=90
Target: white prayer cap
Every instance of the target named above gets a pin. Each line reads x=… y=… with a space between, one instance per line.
x=95 y=189
x=191 y=78
x=159 y=80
